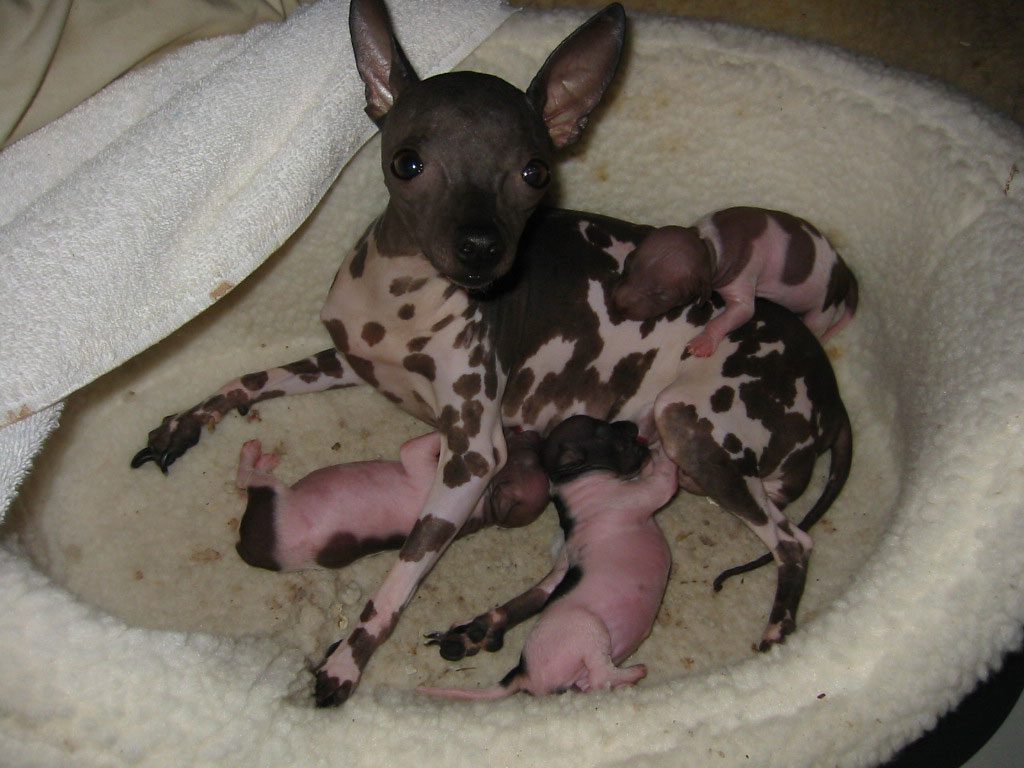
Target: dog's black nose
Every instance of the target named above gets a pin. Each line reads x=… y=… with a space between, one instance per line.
x=478 y=247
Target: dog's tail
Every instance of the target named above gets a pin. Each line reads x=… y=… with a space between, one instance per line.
x=840 y=461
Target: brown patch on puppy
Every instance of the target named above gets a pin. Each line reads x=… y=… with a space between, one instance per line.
x=799 y=253
x=407 y=311
x=256 y=531
x=344 y=548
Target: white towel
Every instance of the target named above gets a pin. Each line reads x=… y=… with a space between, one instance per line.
x=140 y=208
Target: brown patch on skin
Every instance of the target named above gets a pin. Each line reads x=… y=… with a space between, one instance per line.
x=373 y=333
x=517 y=390
x=339 y=335
x=447 y=419
x=223 y=289
x=467 y=385
x=343 y=548
x=407 y=311
x=842 y=286
x=800 y=251
x=391 y=396
x=403 y=285
x=421 y=364
x=257 y=538
x=429 y=534
x=363 y=645
x=368 y=612
x=417 y=344
x=358 y=262
x=307 y=370
x=255 y=381
x=476 y=356
x=363 y=369
x=442 y=323
x=328 y=362
x=627 y=376
x=477 y=464
x=455 y=472
x=732 y=444
x=721 y=400
x=472 y=410
x=738 y=229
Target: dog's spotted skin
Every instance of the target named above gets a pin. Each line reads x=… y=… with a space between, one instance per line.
x=471 y=308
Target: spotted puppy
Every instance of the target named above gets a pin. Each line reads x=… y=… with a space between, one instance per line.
x=337 y=514
x=740 y=253
x=476 y=309
x=611 y=572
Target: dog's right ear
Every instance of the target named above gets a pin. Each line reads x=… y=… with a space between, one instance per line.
x=379 y=58
x=574 y=78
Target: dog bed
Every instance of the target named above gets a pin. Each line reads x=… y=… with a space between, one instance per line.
x=132 y=634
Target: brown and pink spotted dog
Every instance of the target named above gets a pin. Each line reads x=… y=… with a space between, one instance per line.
x=740 y=253
x=475 y=309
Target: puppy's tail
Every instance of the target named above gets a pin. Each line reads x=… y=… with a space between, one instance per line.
x=510 y=684
x=467 y=694
x=840 y=461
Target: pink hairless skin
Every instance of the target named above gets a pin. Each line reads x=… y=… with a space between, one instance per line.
x=740 y=253
x=335 y=515
x=599 y=602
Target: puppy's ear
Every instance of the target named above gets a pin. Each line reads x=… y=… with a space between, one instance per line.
x=380 y=60
x=574 y=78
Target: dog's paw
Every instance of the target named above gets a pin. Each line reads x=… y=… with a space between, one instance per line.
x=336 y=677
x=175 y=435
x=481 y=634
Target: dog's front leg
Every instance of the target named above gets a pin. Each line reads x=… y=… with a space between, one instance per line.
x=462 y=476
x=180 y=431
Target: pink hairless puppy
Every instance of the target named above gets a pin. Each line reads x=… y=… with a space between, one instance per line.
x=740 y=253
x=600 y=600
x=335 y=515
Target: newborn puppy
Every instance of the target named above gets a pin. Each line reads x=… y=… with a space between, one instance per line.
x=335 y=515
x=613 y=566
x=740 y=253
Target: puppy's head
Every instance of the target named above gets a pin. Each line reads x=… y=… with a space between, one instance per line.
x=466 y=156
x=583 y=444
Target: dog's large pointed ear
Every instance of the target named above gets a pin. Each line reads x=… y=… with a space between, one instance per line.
x=574 y=78
x=379 y=58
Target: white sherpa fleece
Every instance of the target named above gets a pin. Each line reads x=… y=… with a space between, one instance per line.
x=915 y=187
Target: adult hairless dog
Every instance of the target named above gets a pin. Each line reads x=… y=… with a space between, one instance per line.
x=474 y=309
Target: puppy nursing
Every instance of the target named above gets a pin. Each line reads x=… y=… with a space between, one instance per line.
x=611 y=572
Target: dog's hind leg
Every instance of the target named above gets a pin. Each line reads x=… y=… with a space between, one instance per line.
x=732 y=483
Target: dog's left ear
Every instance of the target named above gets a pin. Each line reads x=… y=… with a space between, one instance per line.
x=380 y=60
x=574 y=78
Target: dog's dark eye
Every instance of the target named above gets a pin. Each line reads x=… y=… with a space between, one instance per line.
x=536 y=174
x=406 y=164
